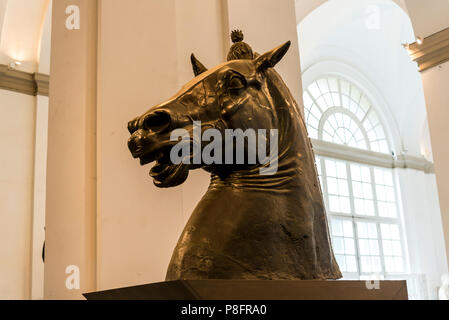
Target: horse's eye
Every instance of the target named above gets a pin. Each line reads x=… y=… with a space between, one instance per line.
x=236 y=83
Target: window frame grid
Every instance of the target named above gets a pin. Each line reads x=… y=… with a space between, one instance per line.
x=354 y=218
x=361 y=123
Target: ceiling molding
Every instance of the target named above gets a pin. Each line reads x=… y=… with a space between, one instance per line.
x=342 y=152
x=433 y=51
x=42 y=84
x=23 y=82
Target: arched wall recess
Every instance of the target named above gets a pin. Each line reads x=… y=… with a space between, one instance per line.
x=396 y=157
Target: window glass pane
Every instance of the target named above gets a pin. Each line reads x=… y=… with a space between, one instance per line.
x=341 y=262
x=367 y=230
x=370 y=264
x=347 y=228
x=362 y=191
x=345 y=101
x=322 y=83
x=314 y=90
x=357 y=188
x=312 y=122
x=349 y=246
x=389 y=231
x=339 y=245
x=392 y=248
x=328 y=98
x=333 y=84
x=394 y=264
x=313 y=133
x=351 y=264
x=332 y=185
x=337 y=227
x=331 y=169
x=369 y=247
x=337 y=186
x=379 y=176
x=315 y=111
x=387 y=247
x=385 y=193
x=383 y=146
x=367 y=191
x=343 y=244
x=345 y=87
x=397 y=250
x=355 y=94
x=364 y=105
x=345 y=206
x=343 y=187
x=366 y=174
x=336 y=99
x=341 y=170
x=307 y=101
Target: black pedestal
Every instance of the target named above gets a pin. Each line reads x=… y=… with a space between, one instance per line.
x=257 y=290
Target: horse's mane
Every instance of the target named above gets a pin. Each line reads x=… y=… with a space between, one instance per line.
x=287 y=110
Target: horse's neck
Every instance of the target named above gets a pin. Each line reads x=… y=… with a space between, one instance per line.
x=283 y=179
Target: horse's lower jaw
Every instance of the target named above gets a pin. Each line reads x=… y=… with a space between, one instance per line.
x=168 y=175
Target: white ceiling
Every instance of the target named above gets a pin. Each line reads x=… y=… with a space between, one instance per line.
x=428 y=16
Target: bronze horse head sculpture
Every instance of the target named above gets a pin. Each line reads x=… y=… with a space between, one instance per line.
x=248 y=225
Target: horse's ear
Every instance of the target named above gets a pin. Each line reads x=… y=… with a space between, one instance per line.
x=271 y=58
x=198 y=67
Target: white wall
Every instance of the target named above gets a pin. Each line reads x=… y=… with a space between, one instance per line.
x=437 y=98
x=424 y=232
x=17 y=114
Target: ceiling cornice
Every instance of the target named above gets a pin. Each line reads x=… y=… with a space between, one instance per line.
x=23 y=82
x=433 y=51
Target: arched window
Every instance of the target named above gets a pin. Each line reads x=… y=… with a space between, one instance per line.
x=339 y=112
x=361 y=199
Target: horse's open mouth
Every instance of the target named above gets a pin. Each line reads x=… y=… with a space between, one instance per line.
x=165 y=173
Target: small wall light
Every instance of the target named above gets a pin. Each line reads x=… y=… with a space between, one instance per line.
x=419 y=40
x=13 y=65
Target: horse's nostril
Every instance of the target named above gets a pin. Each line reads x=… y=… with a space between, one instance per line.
x=157 y=121
x=133 y=125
